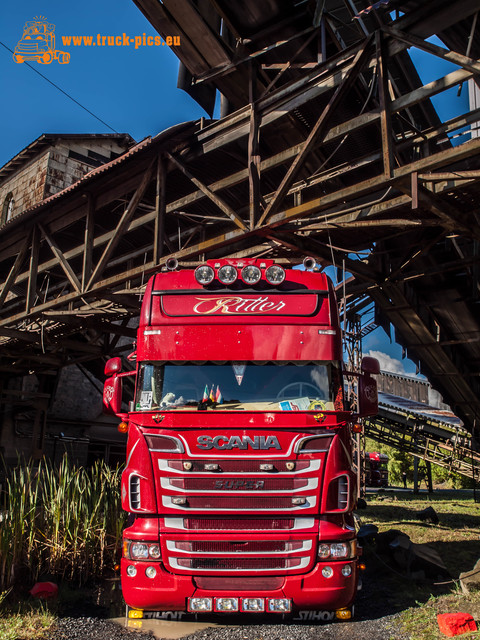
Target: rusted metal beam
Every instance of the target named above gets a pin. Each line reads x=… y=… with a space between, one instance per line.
x=33 y=269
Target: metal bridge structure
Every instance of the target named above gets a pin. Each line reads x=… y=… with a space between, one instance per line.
x=329 y=145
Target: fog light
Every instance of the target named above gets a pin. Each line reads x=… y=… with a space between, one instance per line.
x=279 y=605
x=227 y=274
x=343 y=614
x=200 y=604
x=226 y=604
x=253 y=604
x=347 y=570
x=131 y=571
x=251 y=274
x=135 y=613
x=150 y=572
x=179 y=500
x=275 y=274
x=299 y=501
x=204 y=274
x=327 y=572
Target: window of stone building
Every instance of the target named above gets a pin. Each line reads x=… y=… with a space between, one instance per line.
x=7 y=209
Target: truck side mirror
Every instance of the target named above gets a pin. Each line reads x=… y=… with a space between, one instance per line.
x=370 y=365
x=114 y=365
x=112 y=394
x=367 y=388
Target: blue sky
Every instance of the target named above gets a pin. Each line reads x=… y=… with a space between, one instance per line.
x=132 y=90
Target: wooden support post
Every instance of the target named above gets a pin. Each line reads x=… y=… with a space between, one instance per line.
x=415 y=475
x=384 y=98
x=160 y=206
x=88 y=241
x=33 y=270
x=414 y=190
x=253 y=153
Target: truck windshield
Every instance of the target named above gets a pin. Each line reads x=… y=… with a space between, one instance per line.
x=239 y=386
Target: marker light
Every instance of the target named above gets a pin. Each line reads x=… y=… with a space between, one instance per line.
x=123 y=427
x=204 y=274
x=343 y=614
x=251 y=274
x=200 y=604
x=253 y=604
x=135 y=613
x=226 y=604
x=227 y=274
x=275 y=274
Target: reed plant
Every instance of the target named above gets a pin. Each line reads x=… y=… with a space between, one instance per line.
x=63 y=521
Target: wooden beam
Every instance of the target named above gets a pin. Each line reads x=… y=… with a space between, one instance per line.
x=384 y=95
x=88 y=241
x=223 y=206
x=160 y=209
x=122 y=225
x=318 y=130
x=17 y=265
x=33 y=269
x=72 y=278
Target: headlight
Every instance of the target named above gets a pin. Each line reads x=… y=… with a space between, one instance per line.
x=334 y=550
x=134 y=550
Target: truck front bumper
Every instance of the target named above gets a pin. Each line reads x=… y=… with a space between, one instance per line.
x=166 y=591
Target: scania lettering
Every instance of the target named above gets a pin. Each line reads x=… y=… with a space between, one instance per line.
x=239 y=480
x=238 y=442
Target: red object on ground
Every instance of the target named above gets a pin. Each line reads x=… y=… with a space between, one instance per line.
x=454 y=624
x=44 y=590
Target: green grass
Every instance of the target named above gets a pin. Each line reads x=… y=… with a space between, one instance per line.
x=456 y=538
x=32 y=624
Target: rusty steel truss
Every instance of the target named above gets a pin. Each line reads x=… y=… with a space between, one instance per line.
x=330 y=147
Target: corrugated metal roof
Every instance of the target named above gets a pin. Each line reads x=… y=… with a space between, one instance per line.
x=418 y=409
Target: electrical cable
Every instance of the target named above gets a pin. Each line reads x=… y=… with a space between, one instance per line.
x=62 y=91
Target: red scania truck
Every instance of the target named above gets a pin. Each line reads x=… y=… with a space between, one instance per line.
x=239 y=474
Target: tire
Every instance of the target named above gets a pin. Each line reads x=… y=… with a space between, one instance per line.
x=46 y=58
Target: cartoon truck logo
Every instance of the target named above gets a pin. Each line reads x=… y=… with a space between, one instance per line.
x=38 y=43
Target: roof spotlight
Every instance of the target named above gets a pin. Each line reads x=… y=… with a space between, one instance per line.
x=227 y=274
x=251 y=274
x=275 y=274
x=204 y=274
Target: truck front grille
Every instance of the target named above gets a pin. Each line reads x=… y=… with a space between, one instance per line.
x=240 y=503
x=250 y=546
x=235 y=484
x=234 y=524
x=239 y=564
x=251 y=465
